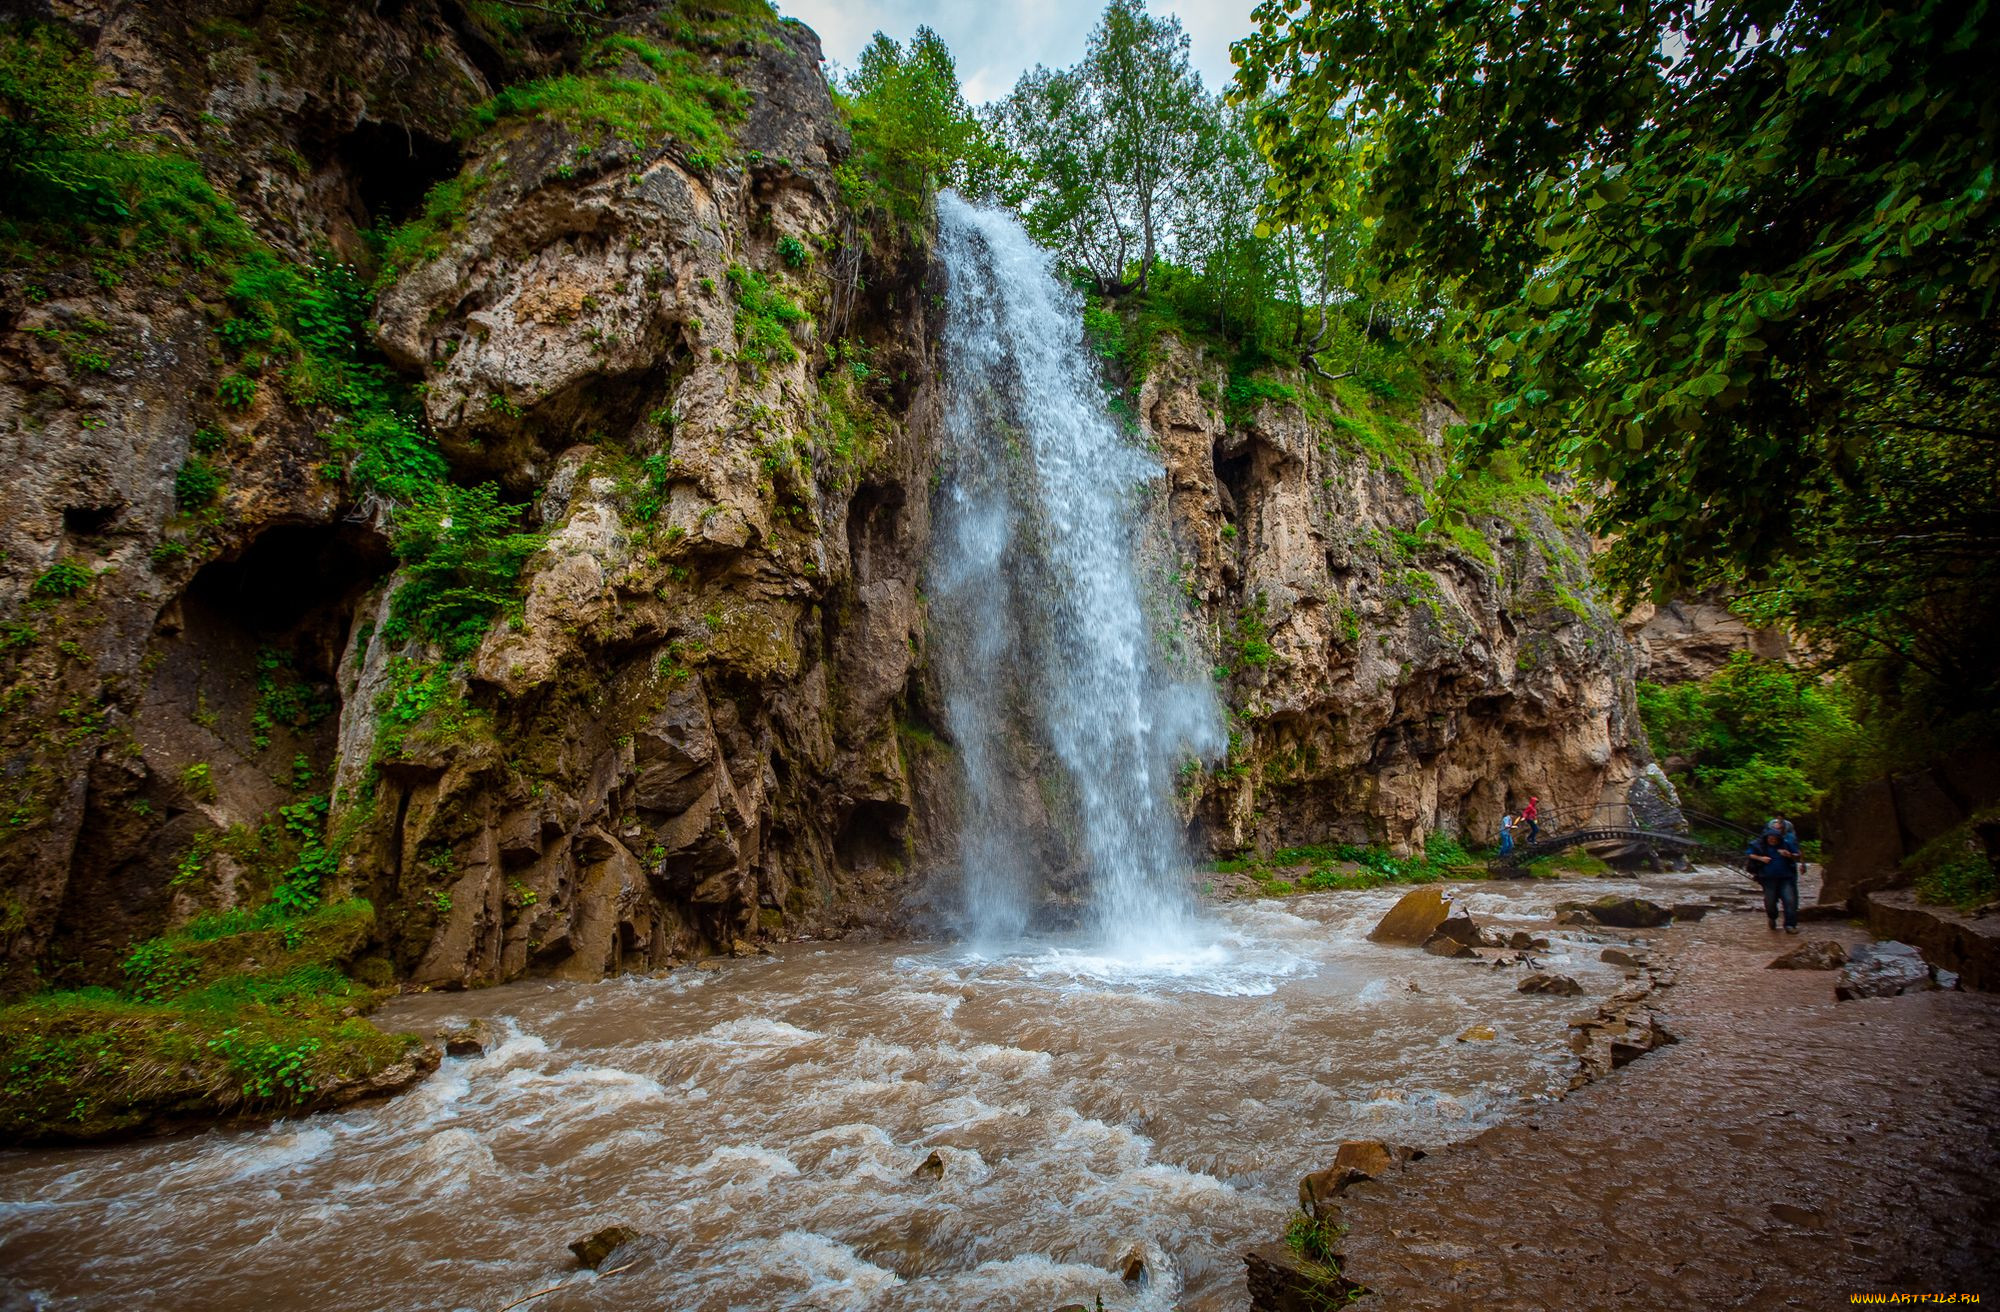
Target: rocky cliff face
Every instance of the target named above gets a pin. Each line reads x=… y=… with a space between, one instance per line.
x=688 y=732
x=1385 y=679
x=1684 y=641
x=706 y=383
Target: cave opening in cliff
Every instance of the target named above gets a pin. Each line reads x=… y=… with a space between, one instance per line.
x=393 y=167
x=294 y=580
x=257 y=639
x=875 y=836
x=1232 y=478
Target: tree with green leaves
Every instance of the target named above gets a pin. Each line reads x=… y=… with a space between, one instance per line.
x=1105 y=152
x=1732 y=264
x=913 y=130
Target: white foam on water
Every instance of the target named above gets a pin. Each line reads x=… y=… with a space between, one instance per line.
x=449 y=1162
x=745 y=1163
x=760 y=1031
x=839 y=1278
x=242 y=1157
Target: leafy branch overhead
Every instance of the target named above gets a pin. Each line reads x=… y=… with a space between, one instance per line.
x=1732 y=265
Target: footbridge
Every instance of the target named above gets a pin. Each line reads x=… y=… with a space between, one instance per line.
x=1619 y=823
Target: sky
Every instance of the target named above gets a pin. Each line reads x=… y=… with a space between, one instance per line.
x=995 y=41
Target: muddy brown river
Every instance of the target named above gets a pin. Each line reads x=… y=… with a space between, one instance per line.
x=767 y=1120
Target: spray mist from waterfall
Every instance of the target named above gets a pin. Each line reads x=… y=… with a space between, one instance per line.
x=1057 y=696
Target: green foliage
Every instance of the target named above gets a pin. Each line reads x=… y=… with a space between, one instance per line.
x=298 y=892
x=630 y=90
x=238 y=1009
x=1956 y=868
x=199 y=781
x=1250 y=641
x=158 y=969
x=1759 y=738
x=1099 y=153
x=272 y=1070
x=283 y=700
x=1732 y=266
x=913 y=131
x=65 y=578
x=1312 y=1239
x=197 y=484
x=653 y=494
x=461 y=554
x=793 y=253
x=764 y=318
x=1245 y=395
x=1320 y=868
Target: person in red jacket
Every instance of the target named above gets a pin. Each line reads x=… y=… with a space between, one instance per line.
x=1529 y=817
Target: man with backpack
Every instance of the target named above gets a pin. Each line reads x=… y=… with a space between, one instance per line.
x=1774 y=863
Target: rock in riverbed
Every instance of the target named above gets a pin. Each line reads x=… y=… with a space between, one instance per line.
x=1621 y=912
x=466 y=1041
x=592 y=1251
x=1560 y=985
x=1414 y=918
x=1621 y=957
x=1355 y=1161
x=1819 y=954
x=1883 y=970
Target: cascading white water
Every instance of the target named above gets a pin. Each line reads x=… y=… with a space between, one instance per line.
x=1035 y=592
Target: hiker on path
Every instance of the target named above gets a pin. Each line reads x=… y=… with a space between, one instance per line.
x=1776 y=866
x=1530 y=816
x=1506 y=833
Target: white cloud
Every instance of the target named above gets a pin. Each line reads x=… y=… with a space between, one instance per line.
x=995 y=41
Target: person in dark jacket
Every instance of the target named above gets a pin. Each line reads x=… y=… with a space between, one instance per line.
x=1775 y=865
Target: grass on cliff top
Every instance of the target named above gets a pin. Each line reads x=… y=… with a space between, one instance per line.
x=625 y=88
x=631 y=90
x=236 y=1012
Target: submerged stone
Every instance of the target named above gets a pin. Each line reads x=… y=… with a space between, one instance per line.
x=1559 y=985
x=592 y=1251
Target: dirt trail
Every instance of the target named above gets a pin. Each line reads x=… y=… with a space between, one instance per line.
x=1789 y=1152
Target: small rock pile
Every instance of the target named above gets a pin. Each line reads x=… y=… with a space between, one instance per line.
x=1623 y=1029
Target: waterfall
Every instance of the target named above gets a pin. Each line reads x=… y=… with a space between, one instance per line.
x=1057 y=696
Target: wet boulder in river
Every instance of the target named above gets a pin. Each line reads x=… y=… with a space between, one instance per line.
x=1442 y=944
x=466 y=1040
x=1623 y=912
x=1819 y=954
x=1621 y=957
x=592 y=1251
x=932 y=1168
x=1559 y=985
x=1413 y=919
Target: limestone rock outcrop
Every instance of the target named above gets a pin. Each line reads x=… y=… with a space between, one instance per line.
x=702 y=722
x=1385 y=680
x=1685 y=641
